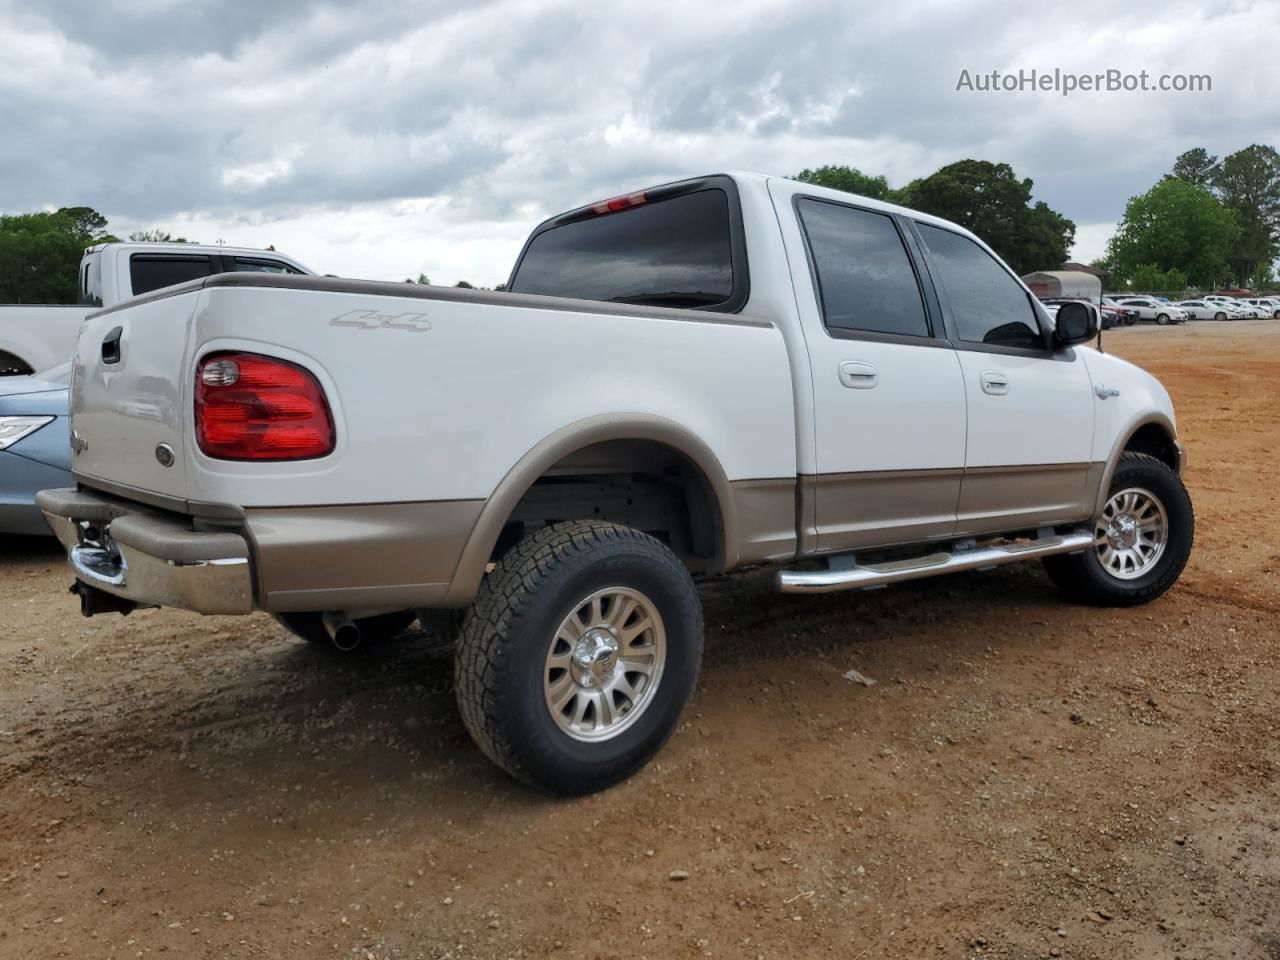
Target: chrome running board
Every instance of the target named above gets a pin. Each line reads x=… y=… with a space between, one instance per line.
x=866 y=576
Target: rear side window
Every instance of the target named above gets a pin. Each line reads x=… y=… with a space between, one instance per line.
x=675 y=252
x=251 y=265
x=987 y=304
x=148 y=272
x=865 y=278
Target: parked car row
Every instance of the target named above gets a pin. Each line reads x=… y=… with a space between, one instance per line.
x=1211 y=307
x=1218 y=307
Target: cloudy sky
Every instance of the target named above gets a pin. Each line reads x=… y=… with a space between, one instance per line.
x=383 y=139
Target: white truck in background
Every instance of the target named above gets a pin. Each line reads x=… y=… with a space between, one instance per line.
x=35 y=337
x=721 y=372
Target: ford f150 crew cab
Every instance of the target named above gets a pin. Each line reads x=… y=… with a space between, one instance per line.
x=727 y=371
x=35 y=337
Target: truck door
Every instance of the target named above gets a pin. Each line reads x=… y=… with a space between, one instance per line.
x=1030 y=409
x=889 y=415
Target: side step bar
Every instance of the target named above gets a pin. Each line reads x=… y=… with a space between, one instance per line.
x=880 y=574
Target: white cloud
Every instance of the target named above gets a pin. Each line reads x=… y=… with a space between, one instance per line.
x=388 y=138
x=1091 y=241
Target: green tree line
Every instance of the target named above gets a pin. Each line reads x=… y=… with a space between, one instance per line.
x=987 y=198
x=40 y=252
x=1208 y=222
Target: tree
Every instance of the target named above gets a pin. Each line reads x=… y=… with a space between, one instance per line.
x=850 y=180
x=156 y=235
x=1195 y=166
x=1174 y=226
x=422 y=279
x=1248 y=181
x=990 y=200
x=40 y=254
x=1150 y=278
x=464 y=285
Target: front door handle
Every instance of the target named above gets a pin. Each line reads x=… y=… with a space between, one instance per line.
x=995 y=383
x=858 y=375
x=111 y=345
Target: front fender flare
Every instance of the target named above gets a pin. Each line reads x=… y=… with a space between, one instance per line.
x=1122 y=441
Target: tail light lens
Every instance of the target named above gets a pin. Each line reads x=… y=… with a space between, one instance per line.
x=251 y=407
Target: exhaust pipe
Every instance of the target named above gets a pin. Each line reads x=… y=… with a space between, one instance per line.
x=342 y=630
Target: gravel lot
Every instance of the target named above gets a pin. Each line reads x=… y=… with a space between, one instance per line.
x=1024 y=779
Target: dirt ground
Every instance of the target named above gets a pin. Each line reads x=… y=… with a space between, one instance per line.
x=1026 y=778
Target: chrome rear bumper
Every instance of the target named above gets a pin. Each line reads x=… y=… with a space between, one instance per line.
x=148 y=557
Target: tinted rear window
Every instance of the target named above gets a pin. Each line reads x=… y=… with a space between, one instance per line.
x=670 y=253
x=147 y=273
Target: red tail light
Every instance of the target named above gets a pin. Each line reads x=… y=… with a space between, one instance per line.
x=251 y=407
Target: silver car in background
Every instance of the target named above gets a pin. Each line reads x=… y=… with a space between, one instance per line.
x=1149 y=308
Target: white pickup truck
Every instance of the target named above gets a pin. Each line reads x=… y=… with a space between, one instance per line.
x=721 y=372
x=36 y=337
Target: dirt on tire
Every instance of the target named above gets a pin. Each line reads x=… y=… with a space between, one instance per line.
x=1023 y=778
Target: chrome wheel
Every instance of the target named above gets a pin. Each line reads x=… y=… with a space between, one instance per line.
x=604 y=664
x=1131 y=534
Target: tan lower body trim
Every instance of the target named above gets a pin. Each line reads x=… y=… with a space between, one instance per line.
x=995 y=499
x=887 y=508
x=766 y=519
x=883 y=507
x=359 y=556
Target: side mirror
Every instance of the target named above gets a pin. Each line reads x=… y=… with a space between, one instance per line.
x=1075 y=323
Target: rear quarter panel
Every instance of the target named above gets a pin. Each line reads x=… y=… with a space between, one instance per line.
x=442 y=404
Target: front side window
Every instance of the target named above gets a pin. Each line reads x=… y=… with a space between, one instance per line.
x=865 y=279
x=149 y=272
x=669 y=253
x=987 y=304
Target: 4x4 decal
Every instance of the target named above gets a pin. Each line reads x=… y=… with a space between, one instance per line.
x=374 y=320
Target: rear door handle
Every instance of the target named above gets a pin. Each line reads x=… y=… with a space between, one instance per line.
x=995 y=383
x=858 y=375
x=111 y=345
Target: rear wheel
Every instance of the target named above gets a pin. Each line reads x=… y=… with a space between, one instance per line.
x=310 y=627
x=579 y=655
x=1142 y=541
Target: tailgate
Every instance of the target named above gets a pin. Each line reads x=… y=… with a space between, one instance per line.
x=127 y=394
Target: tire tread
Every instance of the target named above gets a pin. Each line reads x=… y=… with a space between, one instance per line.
x=505 y=599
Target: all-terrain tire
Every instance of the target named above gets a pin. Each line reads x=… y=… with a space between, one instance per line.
x=1083 y=577
x=501 y=666
x=309 y=627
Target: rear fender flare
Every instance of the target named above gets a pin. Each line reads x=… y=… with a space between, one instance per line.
x=554 y=448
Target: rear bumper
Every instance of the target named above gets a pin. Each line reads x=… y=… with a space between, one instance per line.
x=148 y=557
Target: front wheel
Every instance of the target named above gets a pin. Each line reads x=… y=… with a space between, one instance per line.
x=1162 y=319
x=1219 y=316
x=1142 y=540
x=579 y=655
